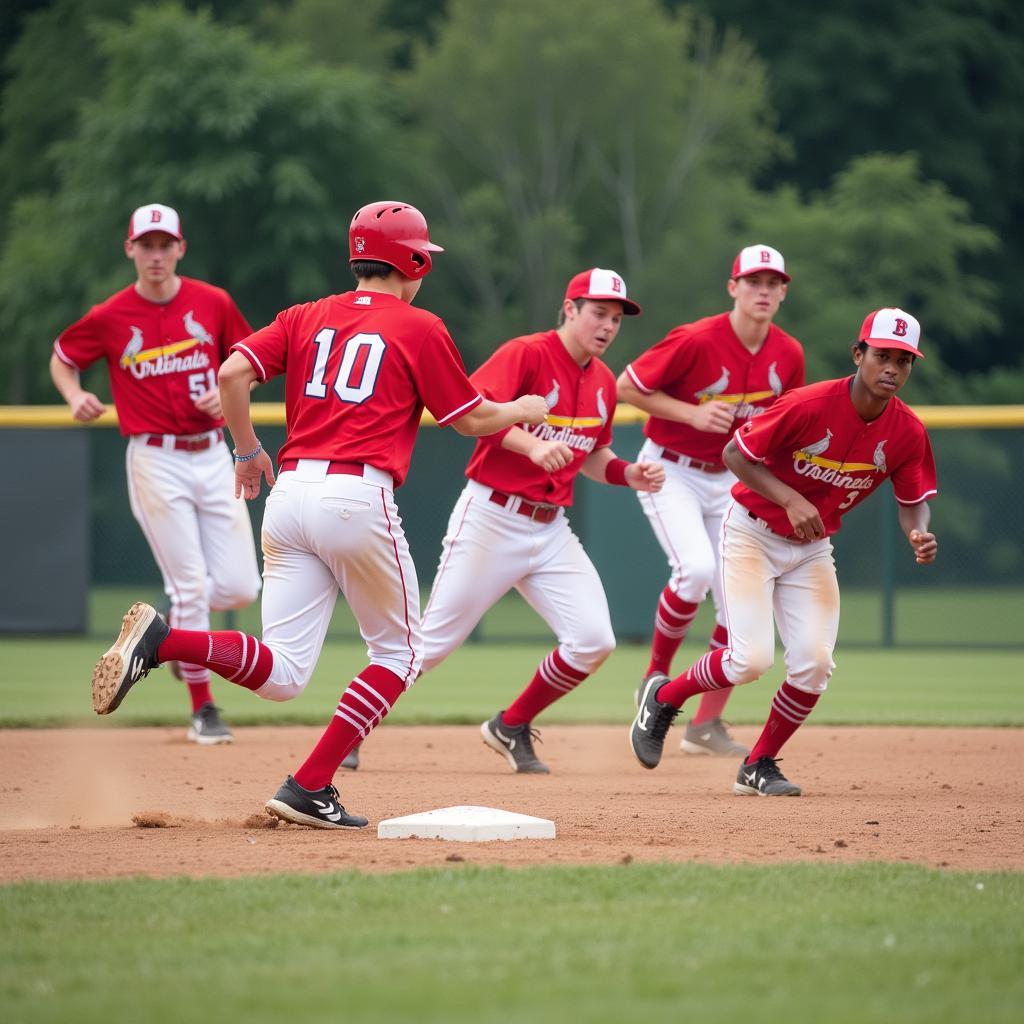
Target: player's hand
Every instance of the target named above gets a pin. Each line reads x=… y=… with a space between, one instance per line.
x=249 y=474
x=714 y=417
x=85 y=406
x=532 y=409
x=925 y=546
x=551 y=456
x=209 y=402
x=646 y=476
x=805 y=519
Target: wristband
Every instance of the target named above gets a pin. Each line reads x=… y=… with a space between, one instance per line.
x=252 y=455
x=615 y=472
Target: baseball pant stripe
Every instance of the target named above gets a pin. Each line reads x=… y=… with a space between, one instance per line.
x=410 y=672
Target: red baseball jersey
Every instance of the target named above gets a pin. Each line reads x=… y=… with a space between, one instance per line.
x=814 y=440
x=581 y=404
x=705 y=362
x=361 y=366
x=160 y=356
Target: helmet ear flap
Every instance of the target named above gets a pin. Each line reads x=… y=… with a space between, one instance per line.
x=395 y=234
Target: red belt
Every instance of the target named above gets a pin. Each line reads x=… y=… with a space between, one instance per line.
x=187 y=444
x=538 y=513
x=333 y=468
x=704 y=467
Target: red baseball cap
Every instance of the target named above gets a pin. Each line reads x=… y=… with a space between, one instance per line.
x=755 y=258
x=602 y=286
x=154 y=217
x=892 y=328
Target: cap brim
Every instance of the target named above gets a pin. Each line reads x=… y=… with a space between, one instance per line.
x=763 y=270
x=892 y=343
x=629 y=307
x=154 y=231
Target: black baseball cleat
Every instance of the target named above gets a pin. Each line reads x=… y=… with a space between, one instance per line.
x=133 y=656
x=651 y=724
x=318 y=808
x=515 y=743
x=763 y=778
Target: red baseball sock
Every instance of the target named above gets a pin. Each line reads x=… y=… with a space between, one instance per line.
x=671 y=622
x=554 y=678
x=704 y=675
x=200 y=694
x=712 y=704
x=790 y=707
x=238 y=657
x=366 y=700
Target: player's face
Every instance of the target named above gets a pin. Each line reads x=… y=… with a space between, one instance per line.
x=155 y=255
x=759 y=295
x=591 y=328
x=882 y=371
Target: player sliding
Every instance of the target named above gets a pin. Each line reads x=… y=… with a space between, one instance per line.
x=360 y=367
x=509 y=529
x=818 y=452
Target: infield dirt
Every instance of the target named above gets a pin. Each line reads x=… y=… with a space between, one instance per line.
x=101 y=803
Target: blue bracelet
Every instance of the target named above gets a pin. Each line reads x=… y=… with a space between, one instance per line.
x=252 y=455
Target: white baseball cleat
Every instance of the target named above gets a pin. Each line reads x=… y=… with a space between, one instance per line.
x=133 y=656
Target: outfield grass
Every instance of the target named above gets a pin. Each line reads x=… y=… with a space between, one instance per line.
x=47 y=682
x=654 y=943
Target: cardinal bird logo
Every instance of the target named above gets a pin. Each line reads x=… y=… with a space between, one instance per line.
x=132 y=349
x=196 y=330
x=706 y=394
x=774 y=381
x=551 y=398
x=602 y=409
x=879 y=457
x=818 y=448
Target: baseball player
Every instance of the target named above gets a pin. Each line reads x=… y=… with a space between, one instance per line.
x=699 y=384
x=164 y=339
x=360 y=367
x=509 y=528
x=817 y=453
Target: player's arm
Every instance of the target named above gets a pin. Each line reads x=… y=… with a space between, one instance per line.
x=712 y=417
x=803 y=516
x=236 y=378
x=489 y=417
x=914 y=520
x=85 y=406
x=550 y=456
x=604 y=467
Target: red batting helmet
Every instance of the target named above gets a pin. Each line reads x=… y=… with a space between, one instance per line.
x=392 y=233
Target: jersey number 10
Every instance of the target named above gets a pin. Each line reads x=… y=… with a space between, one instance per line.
x=360 y=362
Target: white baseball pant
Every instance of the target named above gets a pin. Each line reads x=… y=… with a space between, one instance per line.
x=487 y=551
x=762 y=574
x=325 y=533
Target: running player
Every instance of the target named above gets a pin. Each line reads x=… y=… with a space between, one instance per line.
x=360 y=367
x=163 y=339
x=817 y=453
x=509 y=528
x=699 y=384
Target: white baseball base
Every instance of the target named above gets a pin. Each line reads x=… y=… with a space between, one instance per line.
x=466 y=824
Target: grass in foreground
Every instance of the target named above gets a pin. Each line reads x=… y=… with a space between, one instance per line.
x=47 y=682
x=655 y=942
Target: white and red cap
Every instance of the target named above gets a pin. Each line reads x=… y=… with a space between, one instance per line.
x=154 y=217
x=891 y=328
x=602 y=286
x=755 y=258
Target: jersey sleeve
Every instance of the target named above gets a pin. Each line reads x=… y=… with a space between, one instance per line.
x=267 y=349
x=440 y=378
x=914 y=479
x=502 y=378
x=661 y=363
x=779 y=425
x=80 y=345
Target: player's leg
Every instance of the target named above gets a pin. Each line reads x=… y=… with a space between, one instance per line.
x=563 y=588
x=676 y=516
x=806 y=604
x=483 y=555
x=706 y=733
x=162 y=493
x=752 y=560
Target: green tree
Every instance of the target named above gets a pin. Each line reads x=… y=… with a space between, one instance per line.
x=265 y=154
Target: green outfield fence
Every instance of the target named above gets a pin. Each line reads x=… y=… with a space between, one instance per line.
x=65 y=491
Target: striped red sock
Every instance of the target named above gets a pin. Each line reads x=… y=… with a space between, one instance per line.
x=365 y=702
x=712 y=704
x=553 y=679
x=703 y=675
x=238 y=657
x=671 y=621
x=790 y=707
